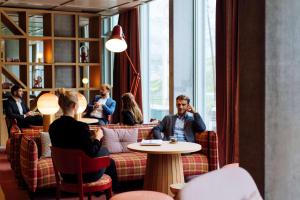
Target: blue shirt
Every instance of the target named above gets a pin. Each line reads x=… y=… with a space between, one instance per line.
x=179 y=128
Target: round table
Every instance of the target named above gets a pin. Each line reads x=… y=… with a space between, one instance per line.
x=88 y=120
x=164 y=164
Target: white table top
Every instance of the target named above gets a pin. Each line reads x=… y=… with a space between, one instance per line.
x=166 y=148
x=88 y=120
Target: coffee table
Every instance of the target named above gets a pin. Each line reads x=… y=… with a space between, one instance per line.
x=164 y=164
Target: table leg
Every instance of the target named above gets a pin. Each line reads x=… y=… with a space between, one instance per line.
x=162 y=170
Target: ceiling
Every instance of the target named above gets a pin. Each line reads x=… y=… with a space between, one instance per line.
x=101 y=7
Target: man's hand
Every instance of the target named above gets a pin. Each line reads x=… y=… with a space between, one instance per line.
x=191 y=109
x=97 y=105
x=98 y=134
x=30 y=113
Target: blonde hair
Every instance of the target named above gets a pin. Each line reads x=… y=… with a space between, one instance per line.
x=129 y=104
x=106 y=86
x=66 y=99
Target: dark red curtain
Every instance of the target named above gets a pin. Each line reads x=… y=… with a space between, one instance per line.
x=227 y=80
x=123 y=75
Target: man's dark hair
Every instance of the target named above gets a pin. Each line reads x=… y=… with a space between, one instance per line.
x=183 y=97
x=14 y=88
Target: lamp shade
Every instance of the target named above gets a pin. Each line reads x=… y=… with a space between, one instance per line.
x=85 y=80
x=48 y=104
x=82 y=103
x=116 y=42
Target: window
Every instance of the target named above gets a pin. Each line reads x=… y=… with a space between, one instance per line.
x=155 y=58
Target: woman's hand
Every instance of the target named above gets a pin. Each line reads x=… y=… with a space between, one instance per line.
x=98 y=134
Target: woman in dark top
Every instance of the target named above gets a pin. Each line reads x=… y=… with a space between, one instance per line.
x=131 y=113
x=66 y=132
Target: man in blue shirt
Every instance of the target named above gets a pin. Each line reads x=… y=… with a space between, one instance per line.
x=182 y=125
x=102 y=106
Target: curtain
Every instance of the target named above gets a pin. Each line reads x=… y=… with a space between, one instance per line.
x=122 y=73
x=227 y=80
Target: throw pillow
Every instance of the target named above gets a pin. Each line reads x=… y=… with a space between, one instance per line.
x=116 y=140
x=45 y=145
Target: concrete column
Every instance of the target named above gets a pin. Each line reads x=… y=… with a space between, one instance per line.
x=282 y=123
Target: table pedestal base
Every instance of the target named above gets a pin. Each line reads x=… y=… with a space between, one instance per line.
x=162 y=170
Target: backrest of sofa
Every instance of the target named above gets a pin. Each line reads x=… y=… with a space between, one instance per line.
x=209 y=144
x=144 y=130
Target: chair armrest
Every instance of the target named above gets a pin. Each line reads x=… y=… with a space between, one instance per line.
x=29 y=161
x=209 y=142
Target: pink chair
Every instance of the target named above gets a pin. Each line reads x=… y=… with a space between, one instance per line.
x=145 y=195
x=232 y=183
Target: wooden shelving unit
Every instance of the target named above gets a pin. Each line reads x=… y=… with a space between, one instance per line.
x=43 y=50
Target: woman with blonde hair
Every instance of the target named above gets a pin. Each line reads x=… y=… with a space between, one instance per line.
x=131 y=113
x=67 y=132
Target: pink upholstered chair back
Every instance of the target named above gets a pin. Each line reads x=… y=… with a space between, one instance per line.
x=232 y=183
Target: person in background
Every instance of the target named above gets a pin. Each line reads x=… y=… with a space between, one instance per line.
x=67 y=132
x=130 y=113
x=182 y=125
x=16 y=108
x=102 y=106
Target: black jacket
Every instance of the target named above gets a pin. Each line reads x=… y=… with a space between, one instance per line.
x=66 y=132
x=12 y=111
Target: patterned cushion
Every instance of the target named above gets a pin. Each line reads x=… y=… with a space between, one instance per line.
x=45 y=173
x=194 y=164
x=130 y=166
x=104 y=180
x=209 y=143
x=29 y=162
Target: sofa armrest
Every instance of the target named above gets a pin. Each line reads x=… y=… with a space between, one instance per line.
x=209 y=142
x=29 y=161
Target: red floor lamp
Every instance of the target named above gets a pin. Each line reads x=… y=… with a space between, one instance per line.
x=117 y=43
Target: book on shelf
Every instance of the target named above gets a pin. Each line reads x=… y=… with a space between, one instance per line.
x=153 y=142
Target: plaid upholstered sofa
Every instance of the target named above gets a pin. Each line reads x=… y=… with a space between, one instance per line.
x=13 y=148
x=38 y=172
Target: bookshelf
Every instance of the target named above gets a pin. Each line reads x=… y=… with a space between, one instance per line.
x=43 y=50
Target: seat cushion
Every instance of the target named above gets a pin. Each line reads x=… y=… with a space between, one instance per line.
x=130 y=166
x=45 y=173
x=104 y=182
x=194 y=164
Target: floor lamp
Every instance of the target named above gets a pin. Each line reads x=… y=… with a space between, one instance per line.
x=117 y=43
x=48 y=106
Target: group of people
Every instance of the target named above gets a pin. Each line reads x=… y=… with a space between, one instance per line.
x=66 y=132
x=103 y=106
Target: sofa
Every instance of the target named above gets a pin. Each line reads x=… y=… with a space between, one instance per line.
x=13 y=148
x=39 y=173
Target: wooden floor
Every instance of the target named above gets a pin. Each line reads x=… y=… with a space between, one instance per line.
x=12 y=191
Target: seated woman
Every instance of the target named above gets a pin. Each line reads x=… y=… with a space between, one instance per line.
x=66 y=132
x=130 y=113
